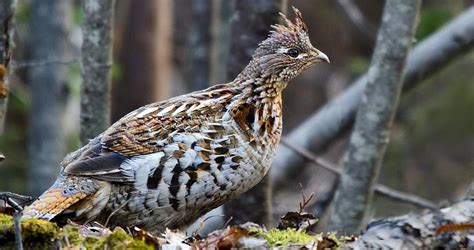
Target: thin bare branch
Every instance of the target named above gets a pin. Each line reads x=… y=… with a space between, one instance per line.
x=40 y=63
x=356 y=16
x=405 y=197
x=379 y=188
x=17 y=225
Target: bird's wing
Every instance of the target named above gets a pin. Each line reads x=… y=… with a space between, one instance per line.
x=150 y=136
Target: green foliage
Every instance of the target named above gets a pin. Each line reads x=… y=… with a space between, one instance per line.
x=431 y=137
x=358 y=65
x=77 y=14
x=23 y=12
x=117 y=71
x=13 y=141
x=434 y=16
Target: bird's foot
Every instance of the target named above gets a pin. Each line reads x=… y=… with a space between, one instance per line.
x=16 y=201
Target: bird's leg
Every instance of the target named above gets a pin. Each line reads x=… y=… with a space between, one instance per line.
x=16 y=201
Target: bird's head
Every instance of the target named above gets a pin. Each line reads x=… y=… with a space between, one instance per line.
x=287 y=51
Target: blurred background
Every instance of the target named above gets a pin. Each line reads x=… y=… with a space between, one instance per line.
x=166 y=48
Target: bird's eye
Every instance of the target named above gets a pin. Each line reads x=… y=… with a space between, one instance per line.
x=293 y=52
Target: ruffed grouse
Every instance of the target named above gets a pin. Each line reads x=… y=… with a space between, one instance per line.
x=167 y=163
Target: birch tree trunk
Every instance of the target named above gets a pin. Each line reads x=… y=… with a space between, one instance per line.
x=96 y=67
x=50 y=24
x=251 y=23
x=374 y=117
x=7 y=12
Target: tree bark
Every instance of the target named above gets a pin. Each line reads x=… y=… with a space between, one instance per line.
x=251 y=23
x=198 y=49
x=96 y=67
x=221 y=32
x=447 y=228
x=333 y=119
x=374 y=118
x=7 y=12
x=49 y=21
x=144 y=56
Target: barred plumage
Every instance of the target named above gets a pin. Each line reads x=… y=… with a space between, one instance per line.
x=167 y=163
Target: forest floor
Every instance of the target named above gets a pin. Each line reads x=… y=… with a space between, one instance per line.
x=292 y=232
x=449 y=227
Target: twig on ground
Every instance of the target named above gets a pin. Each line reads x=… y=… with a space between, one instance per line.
x=379 y=188
x=17 y=224
x=305 y=200
x=16 y=201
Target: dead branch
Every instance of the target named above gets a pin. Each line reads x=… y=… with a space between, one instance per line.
x=379 y=188
x=356 y=17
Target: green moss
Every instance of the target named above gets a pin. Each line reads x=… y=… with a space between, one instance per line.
x=35 y=233
x=275 y=237
x=92 y=243
x=119 y=239
x=39 y=230
x=40 y=234
x=70 y=236
x=339 y=241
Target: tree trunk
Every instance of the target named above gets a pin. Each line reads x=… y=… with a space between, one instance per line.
x=96 y=67
x=333 y=119
x=50 y=21
x=144 y=56
x=221 y=32
x=251 y=25
x=7 y=11
x=374 y=117
x=198 y=46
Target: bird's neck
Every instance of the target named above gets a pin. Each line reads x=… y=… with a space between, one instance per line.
x=260 y=84
x=257 y=108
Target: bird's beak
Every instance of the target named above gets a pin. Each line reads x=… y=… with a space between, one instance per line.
x=319 y=56
x=322 y=57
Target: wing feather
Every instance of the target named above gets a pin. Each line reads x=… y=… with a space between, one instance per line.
x=116 y=154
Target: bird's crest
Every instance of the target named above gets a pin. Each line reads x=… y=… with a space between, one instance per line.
x=291 y=27
x=289 y=30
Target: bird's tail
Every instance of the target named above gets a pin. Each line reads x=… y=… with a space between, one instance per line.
x=51 y=203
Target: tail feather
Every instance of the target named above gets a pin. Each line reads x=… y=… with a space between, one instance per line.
x=51 y=203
